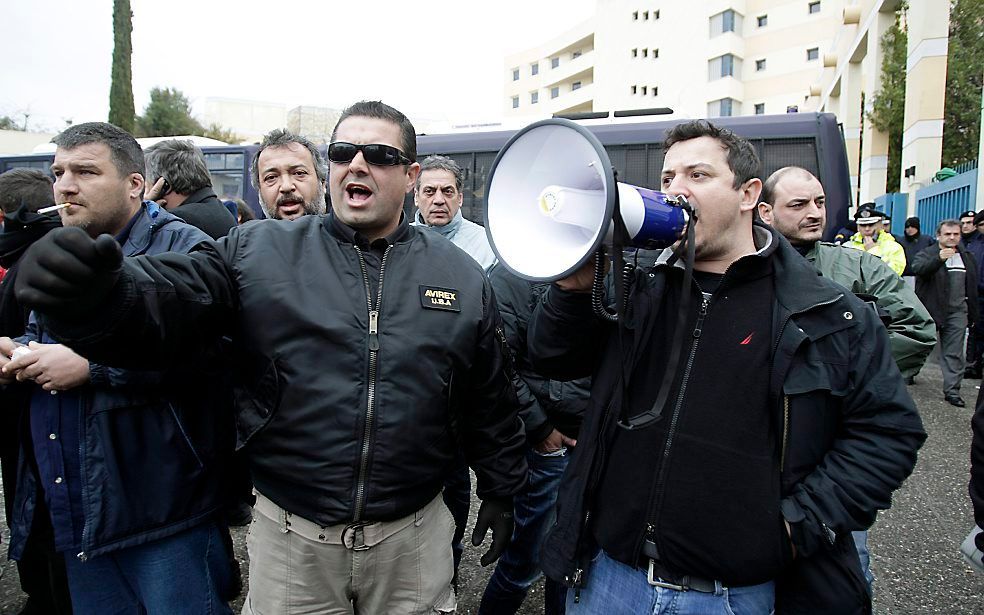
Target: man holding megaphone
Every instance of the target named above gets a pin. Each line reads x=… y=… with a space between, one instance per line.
x=783 y=426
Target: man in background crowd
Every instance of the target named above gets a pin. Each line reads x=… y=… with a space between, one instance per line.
x=289 y=174
x=873 y=240
x=182 y=184
x=946 y=282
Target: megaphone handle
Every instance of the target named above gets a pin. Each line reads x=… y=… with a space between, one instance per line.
x=598 y=289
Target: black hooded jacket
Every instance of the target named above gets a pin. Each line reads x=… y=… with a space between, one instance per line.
x=204 y=210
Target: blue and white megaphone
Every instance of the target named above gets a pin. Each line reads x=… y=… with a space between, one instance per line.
x=551 y=197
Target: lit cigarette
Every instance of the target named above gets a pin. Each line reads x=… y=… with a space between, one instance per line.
x=45 y=210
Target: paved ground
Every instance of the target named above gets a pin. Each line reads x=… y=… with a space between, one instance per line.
x=914 y=545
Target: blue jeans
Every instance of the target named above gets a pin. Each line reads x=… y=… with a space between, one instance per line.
x=185 y=574
x=613 y=588
x=534 y=512
x=861 y=544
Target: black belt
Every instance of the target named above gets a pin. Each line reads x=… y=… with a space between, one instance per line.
x=659 y=576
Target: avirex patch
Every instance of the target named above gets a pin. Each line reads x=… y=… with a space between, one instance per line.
x=434 y=298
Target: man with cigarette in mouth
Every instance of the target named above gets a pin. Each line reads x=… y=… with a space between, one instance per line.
x=368 y=351
x=289 y=174
x=130 y=461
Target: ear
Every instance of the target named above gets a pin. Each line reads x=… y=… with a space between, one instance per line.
x=412 y=172
x=749 y=192
x=135 y=187
x=765 y=212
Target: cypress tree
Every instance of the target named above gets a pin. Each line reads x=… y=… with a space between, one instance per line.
x=121 y=111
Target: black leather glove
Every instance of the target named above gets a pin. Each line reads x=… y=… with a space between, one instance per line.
x=497 y=514
x=67 y=274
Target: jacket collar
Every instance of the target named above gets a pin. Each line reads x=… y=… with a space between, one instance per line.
x=345 y=233
x=201 y=195
x=136 y=237
x=448 y=230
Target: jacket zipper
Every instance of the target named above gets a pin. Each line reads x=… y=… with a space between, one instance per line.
x=82 y=555
x=698 y=329
x=785 y=432
x=360 y=493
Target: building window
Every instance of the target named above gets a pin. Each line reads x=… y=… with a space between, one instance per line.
x=554 y=62
x=759 y=108
x=655 y=53
x=554 y=92
x=576 y=54
x=634 y=89
x=645 y=53
x=762 y=20
x=724 y=107
x=575 y=86
x=814 y=7
x=515 y=74
x=812 y=53
x=535 y=68
x=645 y=90
x=515 y=102
x=760 y=65
x=635 y=53
x=723 y=66
x=728 y=21
x=792 y=109
x=635 y=15
x=534 y=98
x=655 y=90
x=645 y=15
x=656 y=14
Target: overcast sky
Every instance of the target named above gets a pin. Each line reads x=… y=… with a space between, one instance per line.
x=440 y=59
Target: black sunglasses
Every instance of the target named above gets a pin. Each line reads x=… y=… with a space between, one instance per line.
x=374 y=153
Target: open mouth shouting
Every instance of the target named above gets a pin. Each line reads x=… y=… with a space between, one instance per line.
x=357 y=194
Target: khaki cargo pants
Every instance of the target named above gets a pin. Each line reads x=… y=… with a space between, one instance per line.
x=297 y=566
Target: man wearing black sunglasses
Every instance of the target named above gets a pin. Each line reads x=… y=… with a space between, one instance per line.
x=366 y=353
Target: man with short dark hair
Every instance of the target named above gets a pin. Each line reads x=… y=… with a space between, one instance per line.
x=913 y=242
x=438 y=198
x=946 y=282
x=355 y=384
x=183 y=186
x=967 y=228
x=289 y=174
x=974 y=242
x=99 y=434
x=683 y=494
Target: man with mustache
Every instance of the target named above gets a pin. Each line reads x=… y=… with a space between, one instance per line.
x=289 y=174
x=367 y=352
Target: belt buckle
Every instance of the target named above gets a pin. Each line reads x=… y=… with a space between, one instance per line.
x=657 y=582
x=358 y=542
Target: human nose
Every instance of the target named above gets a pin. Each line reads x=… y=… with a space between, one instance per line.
x=66 y=184
x=358 y=164
x=677 y=187
x=286 y=183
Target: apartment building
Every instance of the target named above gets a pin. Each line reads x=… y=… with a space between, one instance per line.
x=706 y=58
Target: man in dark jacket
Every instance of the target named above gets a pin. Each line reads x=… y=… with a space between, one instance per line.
x=130 y=462
x=784 y=426
x=181 y=184
x=353 y=383
x=946 y=282
x=975 y=336
x=551 y=411
x=41 y=569
x=913 y=241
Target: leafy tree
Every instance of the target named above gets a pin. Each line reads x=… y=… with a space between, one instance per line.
x=215 y=131
x=167 y=114
x=8 y=123
x=888 y=104
x=121 y=111
x=964 y=68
